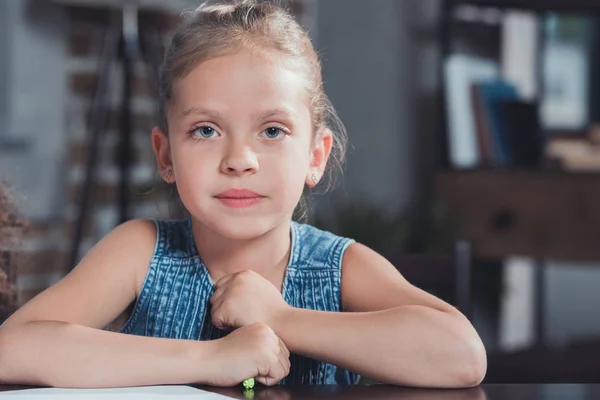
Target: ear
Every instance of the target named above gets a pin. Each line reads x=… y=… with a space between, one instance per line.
x=162 y=152
x=319 y=154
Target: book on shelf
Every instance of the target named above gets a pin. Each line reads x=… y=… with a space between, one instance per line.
x=461 y=71
x=492 y=104
x=490 y=95
x=522 y=128
x=490 y=124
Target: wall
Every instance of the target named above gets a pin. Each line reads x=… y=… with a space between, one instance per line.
x=367 y=60
x=35 y=88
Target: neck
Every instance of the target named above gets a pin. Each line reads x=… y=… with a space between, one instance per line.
x=267 y=254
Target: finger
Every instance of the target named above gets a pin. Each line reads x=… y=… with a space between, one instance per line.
x=268 y=380
x=217 y=294
x=284 y=348
x=266 y=374
x=224 y=306
x=217 y=317
x=224 y=280
x=287 y=359
x=281 y=370
x=285 y=364
x=277 y=371
x=264 y=380
x=216 y=304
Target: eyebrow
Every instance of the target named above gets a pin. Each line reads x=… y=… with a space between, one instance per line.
x=279 y=112
x=200 y=111
x=283 y=112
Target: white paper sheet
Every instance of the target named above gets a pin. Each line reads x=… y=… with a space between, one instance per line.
x=132 y=393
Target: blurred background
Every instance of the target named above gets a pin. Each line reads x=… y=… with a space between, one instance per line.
x=474 y=164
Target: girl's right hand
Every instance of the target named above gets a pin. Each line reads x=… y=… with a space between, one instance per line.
x=253 y=351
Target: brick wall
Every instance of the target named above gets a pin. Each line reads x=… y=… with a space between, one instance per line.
x=44 y=255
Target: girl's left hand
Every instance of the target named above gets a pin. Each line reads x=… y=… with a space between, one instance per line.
x=245 y=298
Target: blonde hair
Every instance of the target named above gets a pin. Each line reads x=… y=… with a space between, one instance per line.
x=211 y=31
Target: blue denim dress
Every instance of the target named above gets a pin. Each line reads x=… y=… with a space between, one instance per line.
x=174 y=300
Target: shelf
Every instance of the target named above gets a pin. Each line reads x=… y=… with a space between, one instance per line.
x=537 y=5
x=521 y=173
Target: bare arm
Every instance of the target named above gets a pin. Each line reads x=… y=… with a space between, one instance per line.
x=57 y=339
x=394 y=332
x=52 y=353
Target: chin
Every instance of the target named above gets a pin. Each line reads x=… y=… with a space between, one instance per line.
x=242 y=228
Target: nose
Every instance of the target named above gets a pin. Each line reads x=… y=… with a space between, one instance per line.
x=239 y=160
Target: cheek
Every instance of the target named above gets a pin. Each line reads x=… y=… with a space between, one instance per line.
x=289 y=172
x=193 y=168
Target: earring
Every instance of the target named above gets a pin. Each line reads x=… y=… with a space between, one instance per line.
x=315 y=178
x=168 y=176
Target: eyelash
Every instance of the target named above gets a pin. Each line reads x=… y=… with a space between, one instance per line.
x=196 y=128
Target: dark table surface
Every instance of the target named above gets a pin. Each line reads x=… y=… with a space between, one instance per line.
x=483 y=392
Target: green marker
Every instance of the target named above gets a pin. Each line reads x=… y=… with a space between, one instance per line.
x=248 y=383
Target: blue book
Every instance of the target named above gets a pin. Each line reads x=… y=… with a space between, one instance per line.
x=493 y=93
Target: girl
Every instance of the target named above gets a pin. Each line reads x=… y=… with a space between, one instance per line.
x=246 y=127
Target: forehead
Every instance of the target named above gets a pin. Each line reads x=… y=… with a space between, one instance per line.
x=243 y=82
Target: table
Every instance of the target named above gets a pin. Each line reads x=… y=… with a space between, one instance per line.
x=483 y=392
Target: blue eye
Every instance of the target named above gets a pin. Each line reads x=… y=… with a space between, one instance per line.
x=273 y=132
x=203 y=132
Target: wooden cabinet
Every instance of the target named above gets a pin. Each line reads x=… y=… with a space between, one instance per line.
x=539 y=214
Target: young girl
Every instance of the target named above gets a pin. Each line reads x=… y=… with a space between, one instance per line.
x=238 y=290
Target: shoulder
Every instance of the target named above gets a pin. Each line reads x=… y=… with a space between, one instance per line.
x=137 y=233
x=133 y=235
x=143 y=227
x=103 y=283
x=317 y=247
x=360 y=256
x=312 y=236
x=370 y=283
x=132 y=240
x=360 y=263
x=368 y=279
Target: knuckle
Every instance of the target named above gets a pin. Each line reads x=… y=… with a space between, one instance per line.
x=243 y=276
x=263 y=329
x=227 y=305
x=260 y=333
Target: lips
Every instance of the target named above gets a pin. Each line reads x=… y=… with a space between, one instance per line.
x=238 y=194
x=239 y=198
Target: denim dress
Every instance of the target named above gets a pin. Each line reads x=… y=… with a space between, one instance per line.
x=174 y=300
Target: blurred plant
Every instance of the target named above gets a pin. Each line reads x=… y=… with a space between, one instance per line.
x=9 y=218
x=367 y=225
x=390 y=233
x=442 y=233
x=11 y=227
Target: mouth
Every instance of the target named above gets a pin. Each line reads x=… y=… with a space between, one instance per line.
x=239 y=198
